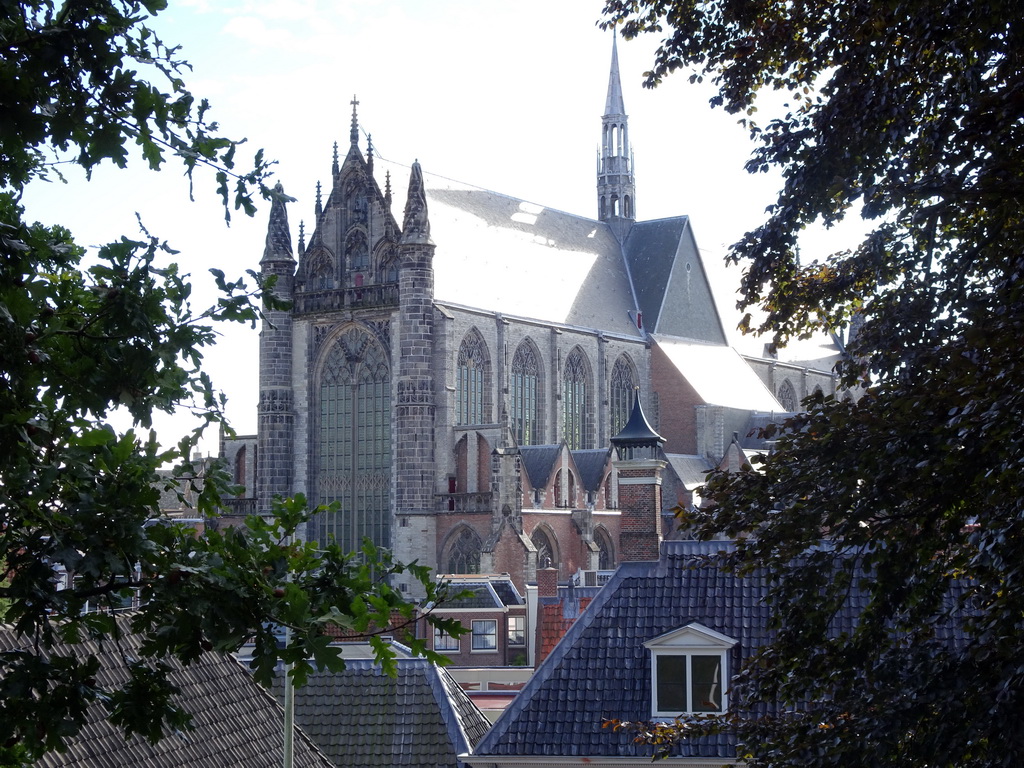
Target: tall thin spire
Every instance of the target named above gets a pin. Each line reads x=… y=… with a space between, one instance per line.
x=353 y=133
x=616 y=189
x=334 y=163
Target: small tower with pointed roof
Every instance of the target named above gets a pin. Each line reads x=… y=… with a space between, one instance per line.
x=276 y=413
x=616 y=190
x=639 y=466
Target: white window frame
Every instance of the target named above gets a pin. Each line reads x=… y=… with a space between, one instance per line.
x=442 y=642
x=520 y=631
x=492 y=634
x=691 y=640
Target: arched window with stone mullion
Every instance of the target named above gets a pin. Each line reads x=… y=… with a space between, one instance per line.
x=576 y=410
x=621 y=391
x=472 y=381
x=524 y=393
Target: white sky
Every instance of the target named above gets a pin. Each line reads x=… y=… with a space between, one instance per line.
x=504 y=95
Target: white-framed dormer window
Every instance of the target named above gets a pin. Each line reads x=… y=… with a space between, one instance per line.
x=689 y=671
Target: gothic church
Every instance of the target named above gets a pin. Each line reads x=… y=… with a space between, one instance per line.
x=459 y=409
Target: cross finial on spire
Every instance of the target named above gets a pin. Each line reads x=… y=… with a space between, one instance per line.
x=354 y=132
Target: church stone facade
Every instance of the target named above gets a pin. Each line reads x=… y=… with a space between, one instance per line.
x=450 y=376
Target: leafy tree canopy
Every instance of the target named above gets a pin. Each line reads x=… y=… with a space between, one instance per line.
x=83 y=336
x=910 y=115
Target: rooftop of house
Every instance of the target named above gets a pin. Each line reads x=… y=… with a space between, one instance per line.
x=362 y=717
x=234 y=721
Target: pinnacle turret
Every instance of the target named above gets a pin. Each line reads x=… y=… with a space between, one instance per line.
x=279 y=238
x=416 y=226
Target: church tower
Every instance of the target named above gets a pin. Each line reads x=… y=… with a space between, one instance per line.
x=616 y=193
x=276 y=414
x=414 y=535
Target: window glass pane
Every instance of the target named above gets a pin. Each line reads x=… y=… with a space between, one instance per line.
x=445 y=642
x=485 y=635
x=671 y=693
x=517 y=630
x=707 y=683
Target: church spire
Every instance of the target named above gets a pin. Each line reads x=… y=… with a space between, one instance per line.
x=616 y=193
x=353 y=133
x=416 y=227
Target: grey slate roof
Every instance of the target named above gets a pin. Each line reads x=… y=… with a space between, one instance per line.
x=538 y=461
x=601 y=670
x=689 y=468
x=235 y=722
x=591 y=465
x=503 y=254
x=671 y=284
x=362 y=717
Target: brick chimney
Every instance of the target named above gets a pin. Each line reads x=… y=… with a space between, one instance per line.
x=547 y=582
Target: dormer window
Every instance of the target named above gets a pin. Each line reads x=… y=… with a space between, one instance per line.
x=689 y=671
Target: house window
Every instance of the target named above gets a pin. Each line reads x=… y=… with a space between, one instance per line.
x=689 y=671
x=485 y=635
x=689 y=683
x=445 y=642
x=517 y=630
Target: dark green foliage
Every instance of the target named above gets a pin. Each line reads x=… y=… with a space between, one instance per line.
x=911 y=114
x=86 y=337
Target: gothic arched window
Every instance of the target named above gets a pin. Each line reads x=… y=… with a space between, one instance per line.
x=787 y=396
x=621 y=391
x=471 y=380
x=464 y=552
x=524 y=391
x=547 y=555
x=354 y=440
x=358 y=250
x=575 y=401
x=605 y=551
x=240 y=467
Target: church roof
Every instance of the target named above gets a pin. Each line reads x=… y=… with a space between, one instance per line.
x=691 y=469
x=591 y=464
x=503 y=254
x=672 y=287
x=539 y=461
x=719 y=375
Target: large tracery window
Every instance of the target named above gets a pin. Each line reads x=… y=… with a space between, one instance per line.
x=622 y=390
x=464 y=552
x=575 y=401
x=471 y=384
x=354 y=445
x=524 y=388
x=787 y=396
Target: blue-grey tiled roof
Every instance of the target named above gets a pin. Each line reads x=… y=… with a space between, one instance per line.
x=539 y=461
x=591 y=464
x=363 y=717
x=601 y=669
